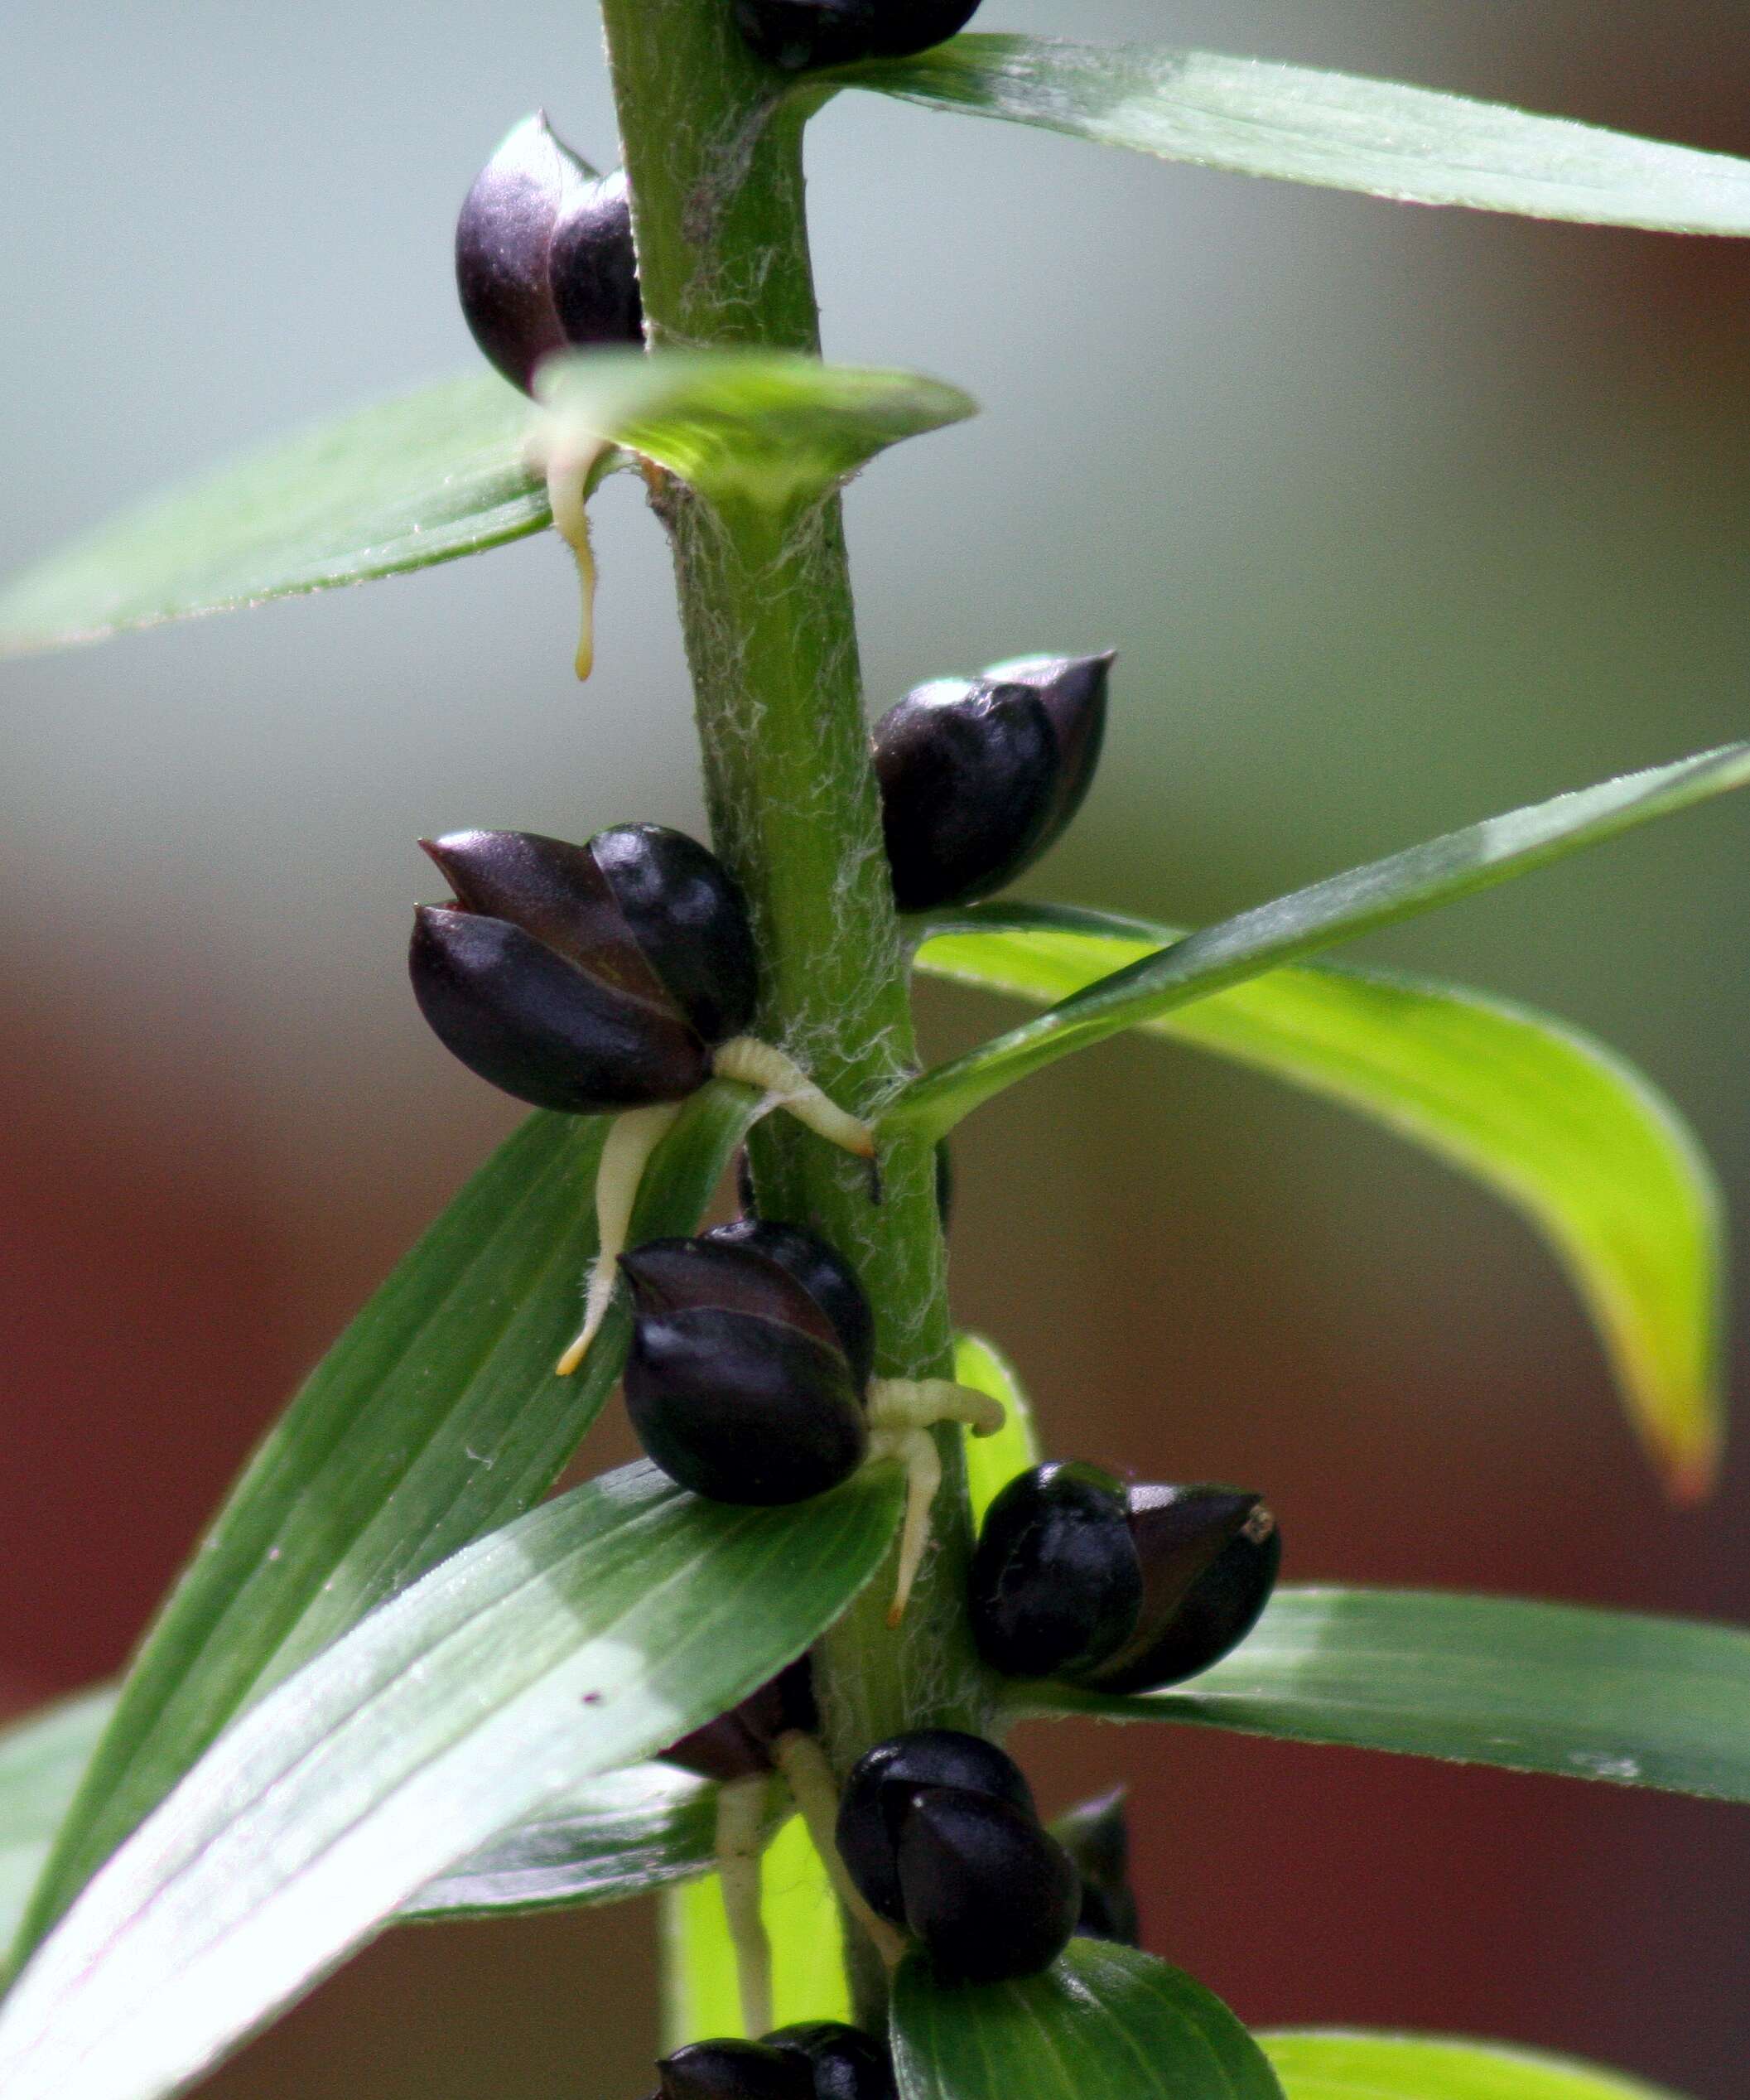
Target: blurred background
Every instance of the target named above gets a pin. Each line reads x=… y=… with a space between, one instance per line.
x=1399 y=518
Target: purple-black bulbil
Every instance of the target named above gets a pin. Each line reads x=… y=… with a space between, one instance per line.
x=798 y=35
x=543 y=255
x=751 y=1346
x=980 y=776
x=734 y=2070
x=738 y=1744
x=1077 y=1576
x=938 y=1832
x=847 y=2063
x=1096 y=1836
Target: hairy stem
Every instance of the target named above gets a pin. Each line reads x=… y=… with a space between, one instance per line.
x=714 y=155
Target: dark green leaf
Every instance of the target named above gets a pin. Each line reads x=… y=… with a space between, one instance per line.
x=1253 y=118
x=1535 y=1687
x=618 y=1836
x=586 y=1635
x=436 y=1418
x=41 y=1760
x=1414 y=2067
x=1591 y=1152
x=420 y=478
x=1103 y=2023
x=1337 y=910
x=759 y=430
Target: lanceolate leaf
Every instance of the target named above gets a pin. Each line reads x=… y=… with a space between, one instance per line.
x=1102 y=2023
x=588 y=1634
x=1535 y=1687
x=1337 y=910
x=754 y=430
x=1592 y=1154
x=42 y=1759
x=701 y=1996
x=1253 y=118
x=436 y=1418
x=1414 y=2067
x=993 y=1461
x=420 y=478
x=621 y=1835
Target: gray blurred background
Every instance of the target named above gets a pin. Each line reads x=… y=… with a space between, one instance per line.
x=1399 y=518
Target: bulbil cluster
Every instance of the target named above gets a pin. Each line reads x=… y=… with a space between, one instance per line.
x=544 y=259
x=980 y=776
x=1117 y=1588
x=819 y=2059
x=798 y=35
x=939 y=1833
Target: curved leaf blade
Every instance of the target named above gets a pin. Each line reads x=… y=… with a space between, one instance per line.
x=589 y=1632
x=1103 y=2023
x=435 y=1418
x=1339 y=2066
x=1250 y=117
x=1577 y=1140
x=1359 y=901
x=700 y=1995
x=993 y=1461
x=1565 y=1689
x=42 y=1759
x=423 y=478
x=764 y=431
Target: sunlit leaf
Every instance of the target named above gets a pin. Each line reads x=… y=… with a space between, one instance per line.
x=42 y=1759
x=993 y=1461
x=753 y=430
x=1358 y=901
x=1534 y=1687
x=588 y=1634
x=1582 y=1144
x=1254 y=118
x=420 y=478
x=1417 y=2067
x=436 y=1418
x=701 y=1997
x=1102 y=2023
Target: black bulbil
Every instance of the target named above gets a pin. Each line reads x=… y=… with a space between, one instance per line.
x=751 y=1347
x=845 y=2063
x=734 y=2070
x=798 y=36
x=544 y=259
x=939 y=1832
x=1096 y=1836
x=738 y=1745
x=585 y=978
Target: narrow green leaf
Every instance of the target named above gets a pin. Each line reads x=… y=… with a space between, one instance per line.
x=436 y=1418
x=1534 y=1687
x=1417 y=2067
x=993 y=1461
x=622 y=1835
x=1102 y=2023
x=1585 y=1147
x=1359 y=901
x=1253 y=118
x=421 y=478
x=701 y=1996
x=759 y=430
x=41 y=1760
x=588 y=1633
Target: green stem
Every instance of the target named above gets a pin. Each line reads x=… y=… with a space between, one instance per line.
x=714 y=155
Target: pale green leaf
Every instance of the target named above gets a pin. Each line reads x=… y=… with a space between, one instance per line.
x=589 y=1634
x=993 y=1461
x=436 y=1418
x=1584 y=1146
x=1417 y=2067
x=42 y=1759
x=762 y=431
x=1102 y=2023
x=1566 y=1689
x=1251 y=117
x=420 y=478
x=701 y=1997
x=1359 y=901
